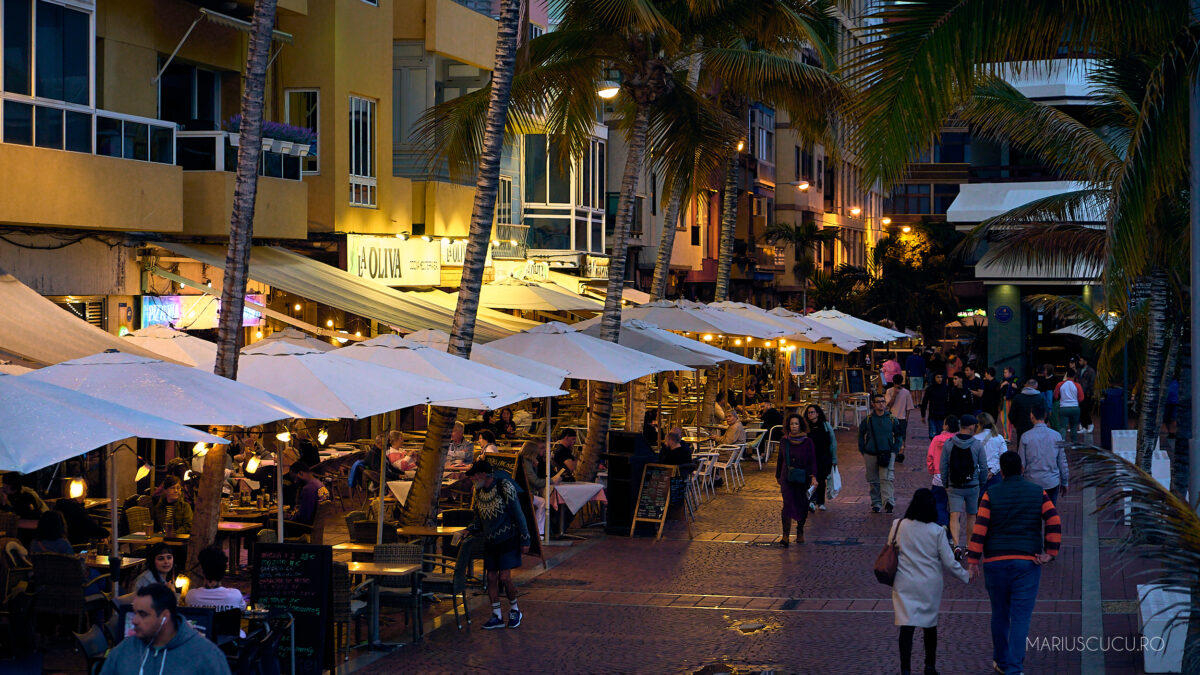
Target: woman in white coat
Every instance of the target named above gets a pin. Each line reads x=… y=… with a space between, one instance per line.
x=917 y=592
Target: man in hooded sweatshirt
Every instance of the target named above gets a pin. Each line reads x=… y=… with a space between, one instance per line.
x=964 y=472
x=159 y=636
x=1023 y=404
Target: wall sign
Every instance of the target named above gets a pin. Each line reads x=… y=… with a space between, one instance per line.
x=1004 y=314
x=595 y=267
x=192 y=312
x=392 y=261
x=454 y=253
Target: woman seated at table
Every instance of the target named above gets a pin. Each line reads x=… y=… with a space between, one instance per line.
x=51 y=537
x=505 y=427
x=160 y=569
x=374 y=456
x=735 y=433
x=401 y=459
x=486 y=440
x=170 y=512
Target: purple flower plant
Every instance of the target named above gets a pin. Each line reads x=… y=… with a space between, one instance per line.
x=277 y=130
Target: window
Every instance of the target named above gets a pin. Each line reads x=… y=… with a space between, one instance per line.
x=911 y=198
x=362 y=152
x=47 y=51
x=190 y=96
x=805 y=170
x=762 y=133
x=302 y=108
x=504 y=201
x=943 y=196
x=820 y=175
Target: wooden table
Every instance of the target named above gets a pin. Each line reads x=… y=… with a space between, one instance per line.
x=351 y=547
x=426 y=531
x=371 y=569
x=235 y=532
x=103 y=562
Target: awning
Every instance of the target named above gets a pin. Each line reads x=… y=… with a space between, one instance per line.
x=976 y=202
x=450 y=301
x=36 y=330
x=282 y=269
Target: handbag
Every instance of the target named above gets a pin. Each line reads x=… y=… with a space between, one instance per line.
x=796 y=475
x=835 y=483
x=888 y=559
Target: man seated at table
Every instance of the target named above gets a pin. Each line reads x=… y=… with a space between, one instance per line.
x=675 y=451
x=212 y=594
x=81 y=527
x=21 y=500
x=735 y=433
x=308 y=495
x=460 y=450
x=562 y=463
x=485 y=439
x=161 y=635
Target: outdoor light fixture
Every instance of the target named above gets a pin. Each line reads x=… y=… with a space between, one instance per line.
x=738 y=342
x=741 y=144
x=768 y=343
x=329 y=323
x=708 y=338
x=885 y=220
x=608 y=89
x=782 y=342
x=200 y=449
x=855 y=211
x=426 y=238
x=512 y=242
x=142 y=472
x=258 y=335
x=446 y=241
x=75 y=488
x=495 y=242
x=252 y=464
x=802 y=185
x=906 y=229
x=296 y=307
x=284 y=436
x=322 y=436
x=358 y=333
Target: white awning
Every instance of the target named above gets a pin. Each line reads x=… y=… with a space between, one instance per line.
x=976 y=202
x=294 y=273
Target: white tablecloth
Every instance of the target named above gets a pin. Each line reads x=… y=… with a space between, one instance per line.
x=575 y=495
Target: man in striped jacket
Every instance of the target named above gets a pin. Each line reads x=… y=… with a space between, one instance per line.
x=1017 y=531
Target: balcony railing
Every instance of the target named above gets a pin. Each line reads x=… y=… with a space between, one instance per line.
x=509 y=241
x=213 y=151
x=56 y=125
x=1011 y=173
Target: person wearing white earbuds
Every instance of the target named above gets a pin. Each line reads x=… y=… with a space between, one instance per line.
x=159 y=635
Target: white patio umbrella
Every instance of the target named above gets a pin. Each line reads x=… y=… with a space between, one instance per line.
x=820 y=333
x=804 y=336
x=692 y=318
x=335 y=386
x=181 y=394
x=584 y=357
x=294 y=336
x=855 y=326
x=176 y=345
x=393 y=351
x=13 y=369
x=650 y=339
x=510 y=293
x=481 y=353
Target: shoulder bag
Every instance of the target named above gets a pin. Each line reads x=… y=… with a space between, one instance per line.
x=795 y=475
x=888 y=559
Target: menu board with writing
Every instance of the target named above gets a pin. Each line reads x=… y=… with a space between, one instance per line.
x=295 y=578
x=855 y=381
x=507 y=462
x=654 y=496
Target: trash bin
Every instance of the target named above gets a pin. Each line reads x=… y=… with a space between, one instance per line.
x=1112 y=415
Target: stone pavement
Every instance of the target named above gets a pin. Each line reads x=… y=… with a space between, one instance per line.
x=732 y=599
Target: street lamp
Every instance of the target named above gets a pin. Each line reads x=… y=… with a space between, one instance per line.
x=801 y=185
x=855 y=211
x=885 y=221
x=906 y=229
x=608 y=89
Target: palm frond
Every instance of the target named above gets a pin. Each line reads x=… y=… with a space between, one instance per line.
x=805 y=92
x=1049 y=231
x=691 y=137
x=614 y=16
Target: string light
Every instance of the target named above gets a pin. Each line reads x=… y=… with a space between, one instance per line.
x=200 y=449
x=284 y=436
x=252 y=464
x=322 y=436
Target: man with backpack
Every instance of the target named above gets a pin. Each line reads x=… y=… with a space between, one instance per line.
x=879 y=440
x=964 y=472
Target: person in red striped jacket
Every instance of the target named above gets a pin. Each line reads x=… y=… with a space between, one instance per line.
x=1016 y=532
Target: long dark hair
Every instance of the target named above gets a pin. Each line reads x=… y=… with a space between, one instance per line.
x=820 y=414
x=787 y=424
x=922 y=508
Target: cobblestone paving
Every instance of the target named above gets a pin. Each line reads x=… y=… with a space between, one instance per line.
x=732 y=597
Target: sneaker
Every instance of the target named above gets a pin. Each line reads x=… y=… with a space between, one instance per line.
x=874 y=509
x=811 y=507
x=890 y=507
x=821 y=507
x=493 y=623
x=514 y=618
x=800 y=538
x=1091 y=427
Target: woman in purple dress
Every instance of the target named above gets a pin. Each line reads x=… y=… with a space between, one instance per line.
x=796 y=471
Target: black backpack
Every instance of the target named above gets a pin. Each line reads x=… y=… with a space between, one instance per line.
x=962 y=465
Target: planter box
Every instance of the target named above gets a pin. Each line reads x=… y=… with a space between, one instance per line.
x=301 y=150
x=235 y=139
x=284 y=146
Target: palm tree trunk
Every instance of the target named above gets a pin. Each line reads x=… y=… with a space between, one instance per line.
x=237 y=262
x=637 y=403
x=1156 y=362
x=728 y=229
x=600 y=413
x=666 y=242
x=421 y=506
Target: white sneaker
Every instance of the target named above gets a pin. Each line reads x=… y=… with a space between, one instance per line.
x=821 y=507
x=1090 y=428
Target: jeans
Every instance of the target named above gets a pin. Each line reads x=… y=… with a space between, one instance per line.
x=940 y=500
x=1052 y=493
x=880 y=479
x=1070 y=421
x=1012 y=586
x=935 y=427
x=903 y=432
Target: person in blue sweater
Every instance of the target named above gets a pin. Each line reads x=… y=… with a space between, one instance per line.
x=499 y=519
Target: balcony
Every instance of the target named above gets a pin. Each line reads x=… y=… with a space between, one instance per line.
x=216 y=151
x=280 y=206
x=769 y=259
x=56 y=125
x=509 y=241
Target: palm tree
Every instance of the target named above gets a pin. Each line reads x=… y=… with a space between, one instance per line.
x=237 y=262
x=803 y=239
x=421 y=506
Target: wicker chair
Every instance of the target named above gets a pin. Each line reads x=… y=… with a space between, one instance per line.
x=393 y=594
x=139 y=520
x=365 y=531
x=8 y=523
x=347 y=606
x=61 y=587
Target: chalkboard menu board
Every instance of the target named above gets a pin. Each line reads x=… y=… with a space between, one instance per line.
x=504 y=461
x=295 y=578
x=855 y=382
x=654 y=496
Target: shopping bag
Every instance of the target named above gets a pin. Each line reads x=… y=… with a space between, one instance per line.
x=835 y=483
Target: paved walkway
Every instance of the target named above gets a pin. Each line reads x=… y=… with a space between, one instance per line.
x=732 y=598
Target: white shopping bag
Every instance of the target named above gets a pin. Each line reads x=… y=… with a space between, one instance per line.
x=835 y=483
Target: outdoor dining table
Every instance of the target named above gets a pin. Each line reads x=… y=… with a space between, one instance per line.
x=236 y=532
x=574 y=496
x=371 y=569
x=429 y=535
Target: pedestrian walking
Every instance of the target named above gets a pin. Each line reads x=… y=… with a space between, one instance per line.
x=825 y=443
x=1085 y=376
x=975 y=385
x=964 y=471
x=954 y=365
x=994 y=445
x=1023 y=404
x=1018 y=530
x=959 y=400
x=1047 y=380
x=795 y=471
x=879 y=441
x=917 y=590
x=1009 y=388
x=890 y=369
x=1070 y=398
x=914 y=367
x=934 y=402
x=933 y=463
x=499 y=519
x=161 y=634
x=990 y=398
x=899 y=402
x=1042 y=455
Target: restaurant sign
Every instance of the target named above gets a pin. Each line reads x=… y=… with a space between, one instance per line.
x=595 y=267
x=454 y=252
x=393 y=261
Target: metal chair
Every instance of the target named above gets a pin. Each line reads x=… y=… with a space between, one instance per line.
x=94 y=645
x=454 y=581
